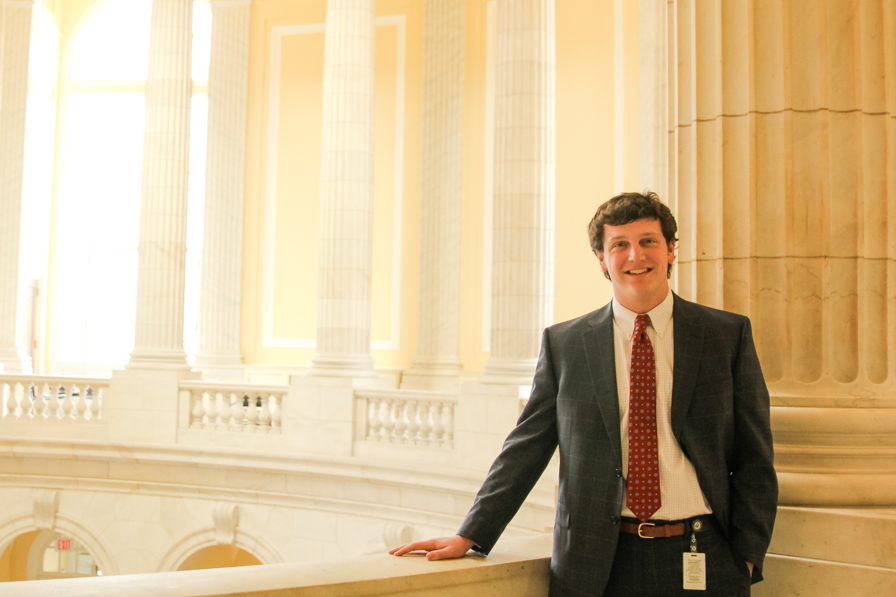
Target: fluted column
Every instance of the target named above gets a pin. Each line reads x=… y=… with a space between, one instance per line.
x=346 y=193
x=784 y=180
x=436 y=365
x=16 y=43
x=158 y=338
x=523 y=254
x=219 y=316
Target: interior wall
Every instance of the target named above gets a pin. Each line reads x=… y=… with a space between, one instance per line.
x=597 y=51
x=280 y=252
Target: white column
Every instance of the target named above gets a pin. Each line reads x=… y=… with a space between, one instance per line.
x=158 y=341
x=436 y=365
x=219 y=316
x=346 y=193
x=16 y=44
x=523 y=255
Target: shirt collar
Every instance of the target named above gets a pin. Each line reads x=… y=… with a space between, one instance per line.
x=660 y=316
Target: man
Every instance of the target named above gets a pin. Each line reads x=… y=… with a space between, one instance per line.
x=661 y=415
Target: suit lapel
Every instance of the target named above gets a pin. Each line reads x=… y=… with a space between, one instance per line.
x=688 y=342
x=600 y=354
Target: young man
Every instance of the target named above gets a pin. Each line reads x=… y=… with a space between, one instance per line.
x=661 y=415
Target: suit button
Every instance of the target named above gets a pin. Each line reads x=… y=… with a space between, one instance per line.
x=614 y=519
x=618 y=473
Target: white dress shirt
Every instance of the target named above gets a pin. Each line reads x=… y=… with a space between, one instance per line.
x=680 y=492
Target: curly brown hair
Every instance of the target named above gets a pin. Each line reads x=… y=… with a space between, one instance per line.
x=625 y=208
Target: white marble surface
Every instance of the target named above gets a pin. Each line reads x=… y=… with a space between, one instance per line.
x=161 y=266
x=15 y=37
x=523 y=254
x=346 y=193
x=218 y=354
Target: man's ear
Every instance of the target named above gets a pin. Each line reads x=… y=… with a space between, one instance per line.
x=603 y=266
x=672 y=247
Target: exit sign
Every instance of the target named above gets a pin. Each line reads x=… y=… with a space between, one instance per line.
x=64 y=545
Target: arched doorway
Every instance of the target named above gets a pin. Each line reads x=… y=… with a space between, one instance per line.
x=219 y=556
x=41 y=555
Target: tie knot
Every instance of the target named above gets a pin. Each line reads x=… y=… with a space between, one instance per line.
x=641 y=324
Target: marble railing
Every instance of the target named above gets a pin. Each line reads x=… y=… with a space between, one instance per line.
x=233 y=407
x=520 y=568
x=43 y=398
x=408 y=417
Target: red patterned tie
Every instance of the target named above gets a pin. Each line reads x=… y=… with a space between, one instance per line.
x=643 y=493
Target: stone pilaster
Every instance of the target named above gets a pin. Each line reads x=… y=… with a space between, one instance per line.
x=346 y=193
x=219 y=316
x=436 y=365
x=783 y=176
x=15 y=46
x=523 y=279
x=158 y=339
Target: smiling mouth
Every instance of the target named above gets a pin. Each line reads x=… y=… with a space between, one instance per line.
x=638 y=272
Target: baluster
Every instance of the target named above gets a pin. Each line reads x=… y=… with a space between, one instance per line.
x=23 y=403
x=198 y=410
x=438 y=427
x=264 y=417
x=401 y=421
x=389 y=420
x=374 y=420
x=55 y=405
x=39 y=403
x=414 y=424
x=251 y=415
x=236 y=413
x=81 y=406
x=222 y=421
x=68 y=406
x=96 y=403
x=426 y=423
x=211 y=410
x=4 y=396
x=448 y=422
x=276 y=414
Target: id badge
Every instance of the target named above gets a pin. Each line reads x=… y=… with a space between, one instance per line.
x=694 y=571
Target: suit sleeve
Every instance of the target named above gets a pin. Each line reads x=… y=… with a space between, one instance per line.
x=753 y=482
x=526 y=453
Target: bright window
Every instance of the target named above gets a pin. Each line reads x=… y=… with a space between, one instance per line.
x=94 y=284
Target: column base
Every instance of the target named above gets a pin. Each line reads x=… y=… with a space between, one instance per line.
x=169 y=360
x=342 y=365
x=432 y=373
x=831 y=455
x=220 y=367
x=14 y=360
x=511 y=372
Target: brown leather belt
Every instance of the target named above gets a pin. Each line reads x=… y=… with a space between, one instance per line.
x=649 y=530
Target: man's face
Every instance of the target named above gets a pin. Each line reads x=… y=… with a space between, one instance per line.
x=637 y=258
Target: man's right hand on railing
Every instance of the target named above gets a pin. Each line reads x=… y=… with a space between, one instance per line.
x=443 y=548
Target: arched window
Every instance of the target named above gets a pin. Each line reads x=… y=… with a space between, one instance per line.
x=96 y=219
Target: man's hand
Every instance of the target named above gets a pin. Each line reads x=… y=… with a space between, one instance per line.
x=750 y=566
x=444 y=548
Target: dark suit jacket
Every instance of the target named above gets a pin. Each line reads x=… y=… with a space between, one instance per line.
x=720 y=417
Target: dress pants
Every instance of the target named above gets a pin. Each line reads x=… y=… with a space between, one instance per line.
x=654 y=567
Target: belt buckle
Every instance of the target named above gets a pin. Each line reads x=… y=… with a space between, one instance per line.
x=649 y=524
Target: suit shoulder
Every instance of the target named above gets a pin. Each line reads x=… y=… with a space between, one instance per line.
x=709 y=316
x=580 y=324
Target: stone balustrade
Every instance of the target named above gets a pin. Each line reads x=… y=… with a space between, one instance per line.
x=406 y=417
x=233 y=407
x=42 y=398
